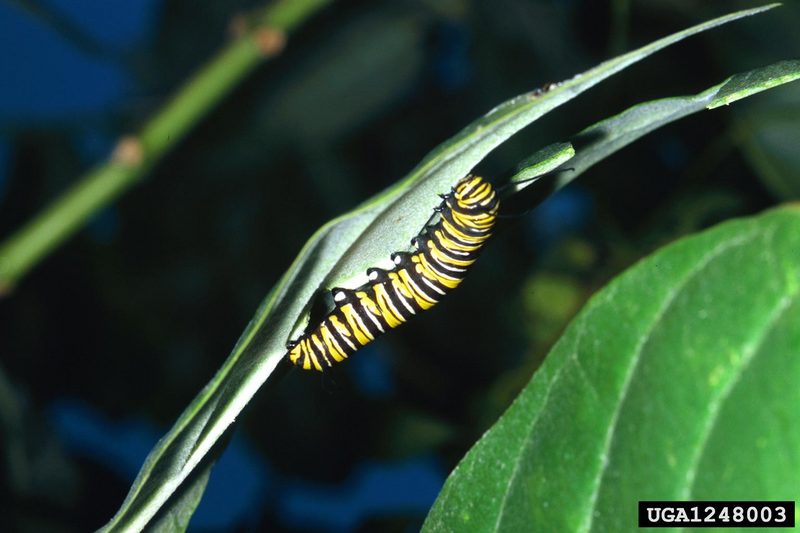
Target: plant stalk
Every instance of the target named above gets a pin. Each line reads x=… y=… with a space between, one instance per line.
x=135 y=155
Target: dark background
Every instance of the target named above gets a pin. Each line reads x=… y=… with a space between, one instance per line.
x=106 y=341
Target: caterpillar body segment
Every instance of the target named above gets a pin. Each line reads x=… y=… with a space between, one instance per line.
x=444 y=253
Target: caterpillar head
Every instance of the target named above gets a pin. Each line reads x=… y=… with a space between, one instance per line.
x=475 y=193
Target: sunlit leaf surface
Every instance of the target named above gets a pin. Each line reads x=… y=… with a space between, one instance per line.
x=678 y=381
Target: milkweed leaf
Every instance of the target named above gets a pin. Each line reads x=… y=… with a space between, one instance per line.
x=678 y=381
x=610 y=135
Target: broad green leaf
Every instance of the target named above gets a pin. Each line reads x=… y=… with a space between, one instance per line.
x=337 y=255
x=677 y=381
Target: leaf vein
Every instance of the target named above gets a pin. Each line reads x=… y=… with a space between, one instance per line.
x=669 y=299
x=725 y=391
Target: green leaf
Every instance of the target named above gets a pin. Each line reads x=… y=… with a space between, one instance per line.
x=755 y=81
x=610 y=135
x=175 y=517
x=677 y=381
x=337 y=255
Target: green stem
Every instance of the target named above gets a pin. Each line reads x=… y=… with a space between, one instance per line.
x=105 y=183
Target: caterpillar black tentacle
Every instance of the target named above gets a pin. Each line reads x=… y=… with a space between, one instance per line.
x=444 y=253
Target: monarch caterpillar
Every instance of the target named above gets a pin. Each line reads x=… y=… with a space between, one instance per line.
x=444 y=253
